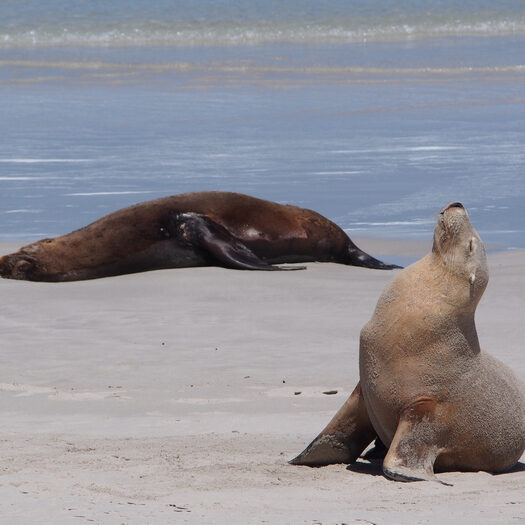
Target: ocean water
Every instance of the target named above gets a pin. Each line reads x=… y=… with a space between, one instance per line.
x=375 y=114
x=234 y=22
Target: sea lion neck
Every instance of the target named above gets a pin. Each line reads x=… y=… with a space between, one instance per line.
x=460 y=287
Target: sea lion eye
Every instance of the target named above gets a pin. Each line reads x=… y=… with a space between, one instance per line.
x=471 y=246
x=22 y=266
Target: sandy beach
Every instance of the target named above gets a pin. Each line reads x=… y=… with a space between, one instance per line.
x=178 y=396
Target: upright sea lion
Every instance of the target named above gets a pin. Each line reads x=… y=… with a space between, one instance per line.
x=426 y=389
x=192 y=229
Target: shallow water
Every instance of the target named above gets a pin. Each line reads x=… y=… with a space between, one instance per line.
x=378 y=135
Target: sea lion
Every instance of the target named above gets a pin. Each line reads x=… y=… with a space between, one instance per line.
x=427 y=390
x=191 y=229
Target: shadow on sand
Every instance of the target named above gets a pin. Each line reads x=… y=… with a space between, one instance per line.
x=375 y=468
x=366 y=467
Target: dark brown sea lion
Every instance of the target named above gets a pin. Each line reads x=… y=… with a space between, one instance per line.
x=426 y=389
x=192 y=229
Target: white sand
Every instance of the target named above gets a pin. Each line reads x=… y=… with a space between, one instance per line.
x=170 y=397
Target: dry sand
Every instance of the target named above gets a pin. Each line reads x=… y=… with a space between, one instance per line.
x=178 y=396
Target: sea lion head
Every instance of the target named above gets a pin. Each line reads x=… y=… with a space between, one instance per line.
x=460 y=250
x=17 y=266
x=24 y=264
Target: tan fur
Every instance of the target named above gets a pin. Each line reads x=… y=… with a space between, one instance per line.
x=432 y=395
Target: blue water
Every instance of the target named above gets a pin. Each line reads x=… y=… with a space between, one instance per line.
x=375 y=114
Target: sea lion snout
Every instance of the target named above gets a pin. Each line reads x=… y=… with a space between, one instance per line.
x=452 y=205
x=453 y=220
x=16 y=266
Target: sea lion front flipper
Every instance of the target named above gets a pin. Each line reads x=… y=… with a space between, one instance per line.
x=343 y=439
x=414 y=448
x=202 y=232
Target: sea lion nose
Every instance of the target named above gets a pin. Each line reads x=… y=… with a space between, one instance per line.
x=452 y=205
x=3 y=266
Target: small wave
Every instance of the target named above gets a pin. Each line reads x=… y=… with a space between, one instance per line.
x=415 y=222
x=348 y=172
x=41 y=161
x=25 y=237
x=96 y=193
x=238 y=32
x=397 y=149
x=23 y=210
x=499 y=232
x=20 y=178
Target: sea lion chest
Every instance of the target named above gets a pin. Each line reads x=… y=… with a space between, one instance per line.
x=412 y=347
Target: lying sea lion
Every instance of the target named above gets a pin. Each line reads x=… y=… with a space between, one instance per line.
x=192 y=229
x=427 y=390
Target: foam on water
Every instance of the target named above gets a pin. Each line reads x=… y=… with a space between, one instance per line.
x=336 y=31
x=98 y=193
x=16 y=178
x=236 y=22
x=41 y=161
x=414 y=222
x=23 y=211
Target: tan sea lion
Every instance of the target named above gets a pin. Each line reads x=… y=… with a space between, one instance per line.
x=427 y=390
x=192 y=229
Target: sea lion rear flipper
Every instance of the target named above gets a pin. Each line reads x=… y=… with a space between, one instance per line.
x=357 y=257
x=343 y=439
x=206 y=234
x=414 y=448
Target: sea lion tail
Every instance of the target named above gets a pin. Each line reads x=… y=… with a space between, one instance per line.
x=357 y=257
